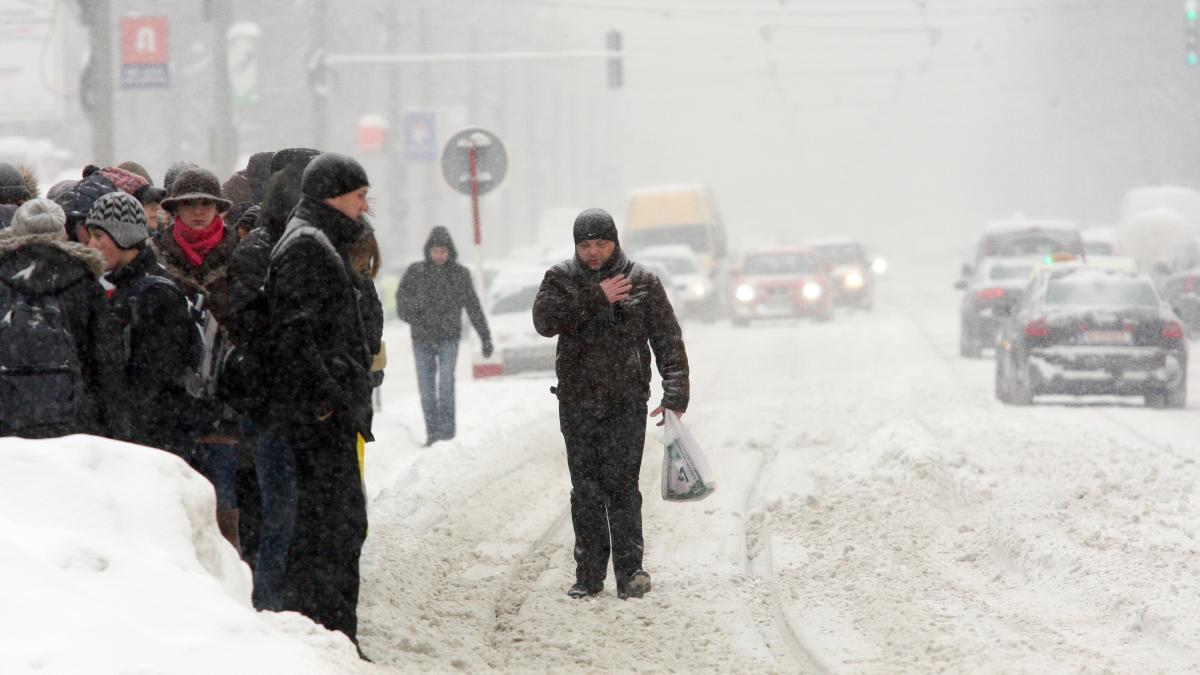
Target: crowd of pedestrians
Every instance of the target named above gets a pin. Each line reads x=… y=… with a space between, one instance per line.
x=239 y=323
x=179 y=319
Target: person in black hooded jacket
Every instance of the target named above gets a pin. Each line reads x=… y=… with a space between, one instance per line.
x=38 y=265
x=321 y=397
x=431 y=297
x=609 y=315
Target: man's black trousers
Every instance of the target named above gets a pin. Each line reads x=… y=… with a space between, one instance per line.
x=604 y=454
x=331 y=524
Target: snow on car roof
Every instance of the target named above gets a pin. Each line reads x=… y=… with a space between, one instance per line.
x=1085 y=273
x=668 y=187
x=667 y=250
x=831 y=241
x=1021 y=224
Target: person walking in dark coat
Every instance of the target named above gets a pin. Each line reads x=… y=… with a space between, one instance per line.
x=59 y=352
x=609 y=314
x=432 y=296
x=322 y=400
x=157 y=328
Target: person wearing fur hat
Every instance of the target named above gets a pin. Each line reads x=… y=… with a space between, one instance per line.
x=609 y=314
x=14 y=191
x=431 y=297
x=195 y=250
x=153 y=315
x=321 y=401
x=40 y=268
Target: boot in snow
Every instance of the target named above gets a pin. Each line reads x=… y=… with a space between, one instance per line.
x=633 y=586
x=585 y=590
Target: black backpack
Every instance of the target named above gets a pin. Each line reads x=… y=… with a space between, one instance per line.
x=200 y=409
x=41 y=375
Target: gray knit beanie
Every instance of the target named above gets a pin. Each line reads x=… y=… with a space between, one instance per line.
x=120 y=214
x=39 y=216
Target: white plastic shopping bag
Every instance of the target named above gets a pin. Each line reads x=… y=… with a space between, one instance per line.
x=685 y=473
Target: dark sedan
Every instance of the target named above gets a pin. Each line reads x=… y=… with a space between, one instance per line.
x=1080 y=330
x=997 y=281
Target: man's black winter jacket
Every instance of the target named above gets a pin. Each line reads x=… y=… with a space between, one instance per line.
x=604 y=351
x=320 y=360
x=432 y=297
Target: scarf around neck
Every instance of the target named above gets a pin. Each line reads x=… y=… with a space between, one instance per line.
x=197 y=244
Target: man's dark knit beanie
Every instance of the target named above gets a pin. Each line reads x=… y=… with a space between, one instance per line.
x=595 y=224
x=332 y=175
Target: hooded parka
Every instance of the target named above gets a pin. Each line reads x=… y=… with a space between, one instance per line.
x=432 y=297
x=34 y=265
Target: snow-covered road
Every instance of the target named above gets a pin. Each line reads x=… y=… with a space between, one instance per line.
x=878 y=511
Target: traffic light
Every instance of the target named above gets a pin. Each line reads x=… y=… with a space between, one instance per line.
x=1191 y=36
x=616 y=74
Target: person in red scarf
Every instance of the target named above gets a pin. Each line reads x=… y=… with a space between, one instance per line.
x=195 y=250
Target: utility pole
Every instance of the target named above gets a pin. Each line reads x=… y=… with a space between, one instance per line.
x=397 y=180
x=98 y=16
x=224 y=142
x=426 y=192
x=320 y=107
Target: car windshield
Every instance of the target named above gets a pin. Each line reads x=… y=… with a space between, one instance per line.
x=1098 y=248
x=694 y=236
x=1097 y=291
x=677 y=265
x=840 y=254
x=518 y=301
x=779 y=263
x=1010 y=272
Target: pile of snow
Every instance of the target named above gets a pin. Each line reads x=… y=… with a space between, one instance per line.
x=111 y=561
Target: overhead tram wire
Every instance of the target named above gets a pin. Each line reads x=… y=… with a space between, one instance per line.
x=734 y=10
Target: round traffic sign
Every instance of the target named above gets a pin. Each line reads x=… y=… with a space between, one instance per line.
x=491 y=161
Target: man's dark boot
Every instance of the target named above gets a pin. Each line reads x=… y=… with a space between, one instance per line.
x=585 y=590
x=633 y=586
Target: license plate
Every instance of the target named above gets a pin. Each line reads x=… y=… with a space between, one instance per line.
x=1106 y=337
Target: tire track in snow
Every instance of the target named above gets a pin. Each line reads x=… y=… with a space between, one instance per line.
x=759 y=564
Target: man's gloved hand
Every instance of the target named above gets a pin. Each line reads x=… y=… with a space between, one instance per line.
x=487 y=348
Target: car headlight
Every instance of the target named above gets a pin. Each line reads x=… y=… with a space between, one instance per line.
x=745 y=293
x=854 y=280
x=879 y=266
x=812 y=290
x=697 y=290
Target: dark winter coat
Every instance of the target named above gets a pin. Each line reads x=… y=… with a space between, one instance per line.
x=432 y=297
x=211 y=278
x=247 y=317
x=47 y=265
x=604 y=350
x=321 y=345
x=157 y=330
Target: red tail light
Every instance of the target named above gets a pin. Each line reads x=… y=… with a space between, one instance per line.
x=1037 y=328
x=989 y=293
x=1172 y=330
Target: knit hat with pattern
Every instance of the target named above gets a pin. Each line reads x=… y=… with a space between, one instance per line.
x=120 y=214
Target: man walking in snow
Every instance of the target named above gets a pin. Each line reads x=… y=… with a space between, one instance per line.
x=431 y=297
x=609 y=314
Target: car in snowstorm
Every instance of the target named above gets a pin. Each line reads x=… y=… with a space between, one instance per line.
x=1180 y=284
x=851 y=271
x=670 y=287
x=1020 y=237
x=518 y=347
x=781 y=283
x=685 y=280
x=1081 y=330
x=997 y=281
